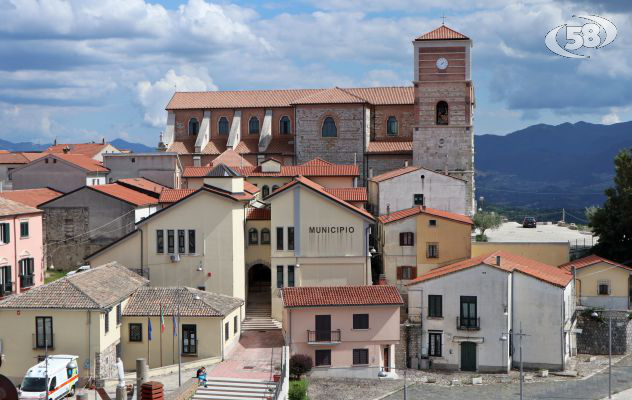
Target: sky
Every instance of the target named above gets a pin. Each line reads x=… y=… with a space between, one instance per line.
x=81 y=70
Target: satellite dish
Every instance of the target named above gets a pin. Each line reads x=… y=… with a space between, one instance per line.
x=7 y=389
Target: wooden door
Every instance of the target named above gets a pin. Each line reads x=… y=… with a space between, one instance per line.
x=468 y=356
x=387 y=360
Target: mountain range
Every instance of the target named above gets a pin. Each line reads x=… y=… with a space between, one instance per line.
x=541 y=166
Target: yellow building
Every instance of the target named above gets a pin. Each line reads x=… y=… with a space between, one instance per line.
x=317 y=240
x=601 y=283
x=550 y=253
x=415 y=240
x=79 y=314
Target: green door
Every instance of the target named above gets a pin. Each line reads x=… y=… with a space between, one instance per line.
x=468 y=356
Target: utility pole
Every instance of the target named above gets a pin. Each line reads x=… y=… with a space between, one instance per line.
x=46 y=360
x=520 y=336
x=563 y=215
x=609 y=356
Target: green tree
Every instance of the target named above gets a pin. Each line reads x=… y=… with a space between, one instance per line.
x=613 y=222
x=484 y=221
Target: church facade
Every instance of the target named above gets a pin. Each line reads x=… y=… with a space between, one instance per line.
x=379 y=129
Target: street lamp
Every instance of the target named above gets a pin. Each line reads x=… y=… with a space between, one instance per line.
x=481 y=199
x=595 y=315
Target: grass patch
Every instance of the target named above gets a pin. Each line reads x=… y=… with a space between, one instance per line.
x=298 y=389
x=53 y=275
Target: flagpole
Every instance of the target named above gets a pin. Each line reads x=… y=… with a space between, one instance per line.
x=161 y=326
x=173 y=340
x=148 y=340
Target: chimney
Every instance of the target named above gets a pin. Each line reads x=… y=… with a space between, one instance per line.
x=381 y=280
x=498 y=260
x=66 y=149
x=388 y=209
x=370 y=173
x=55 y=142
x=197 y=161
x=102 y=140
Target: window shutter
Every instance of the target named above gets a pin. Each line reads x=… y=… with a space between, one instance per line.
x=413 y=274
x=400 y=272
x=7 y=233
x=401 y=239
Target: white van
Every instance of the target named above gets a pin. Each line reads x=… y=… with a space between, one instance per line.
x=63 y=375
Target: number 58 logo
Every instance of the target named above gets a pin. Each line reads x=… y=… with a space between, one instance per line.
x=587 y=35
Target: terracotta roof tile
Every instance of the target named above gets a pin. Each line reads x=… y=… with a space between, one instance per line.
x=280 y=146
x=398 y=215
x=184 y=147
x=442 y=33
x=317 y=162
x=394 y=173
x=591 y=260
x=125 y=194
x=173 y=195
x=149 y=301
x=250 y=188
x=81 y=161
x=10 y=208
x=320 y=168
x=390 y=147
x=341 y=296
x=508 y=262
x=232 y=159
x=97 y=288
x=143 y=184
x=285 y=98
x=352 y=194
x=258 y=214
x=86 y=149
x=19 y=157
x=31 y=197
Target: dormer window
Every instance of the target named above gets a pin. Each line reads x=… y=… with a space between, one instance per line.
x=253 y=126
x=194 y=126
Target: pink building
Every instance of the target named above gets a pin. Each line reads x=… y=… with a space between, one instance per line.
x=21 y=247
x=348 y=331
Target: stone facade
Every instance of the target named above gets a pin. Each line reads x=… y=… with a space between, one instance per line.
x=105 y=362
x=346 y=148
x=594 y=336
x=378 y=164
x=405 y=115
x=410 y=345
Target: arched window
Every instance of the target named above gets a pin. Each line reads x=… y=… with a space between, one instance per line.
x=329 y=128
x=253 y=236
x=253 y=126
x=194 y=126
x=265 y=191
x=265 y=236
x=284 y=125
x=442 y=113
x=391 y=126
x=222 y=126
x=275 y=187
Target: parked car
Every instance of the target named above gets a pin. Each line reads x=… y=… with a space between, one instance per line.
x=529 y=222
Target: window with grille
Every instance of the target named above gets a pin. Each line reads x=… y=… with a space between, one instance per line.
x=433 y=250
x=160 y=241
x=135 y=332
x=604 y=288
x=189 y=339
x=191 y=241
x=171 y=241
x=360 y=356
x=322 y=357
x=181 y=241
x=434 y=344
x=406 y=239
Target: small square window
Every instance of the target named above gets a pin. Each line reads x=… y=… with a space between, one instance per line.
x=604 y=288
x=432 y=223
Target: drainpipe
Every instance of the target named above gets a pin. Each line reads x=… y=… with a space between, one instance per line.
x=141 y=252
x=562 y=333
x=89 y=343
x=15 y=253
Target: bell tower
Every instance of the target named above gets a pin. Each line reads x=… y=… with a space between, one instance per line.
x=443 y=137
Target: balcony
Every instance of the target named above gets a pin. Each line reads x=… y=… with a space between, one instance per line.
x=323 y=337
x=6 y=289
x=468 y=324
x=26 y=281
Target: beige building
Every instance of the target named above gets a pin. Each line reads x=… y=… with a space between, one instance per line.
x=348 y=331
x=551 y=253
x=197 y=242
x=317 y=240
x=601 y=283
x=79 y=315
x=209 y=325
x=415 y=240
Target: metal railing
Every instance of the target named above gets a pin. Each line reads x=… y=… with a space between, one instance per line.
x=468 y=323
x=278 y=390
x=323 y=336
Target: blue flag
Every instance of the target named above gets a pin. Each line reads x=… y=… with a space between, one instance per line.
x=149 y=328
x=175 y=327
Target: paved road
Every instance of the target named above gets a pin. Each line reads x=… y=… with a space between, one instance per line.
x=593 y=388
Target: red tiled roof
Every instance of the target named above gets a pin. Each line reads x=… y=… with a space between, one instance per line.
x=186 y=147
x=19 y=157
x=308 y=169
x=173 y=195
x=591 y=260
x=235 y=196
x=81 y=161
x=86 y=149
x=396 y=216
x=232 y=159
x=257 y=214
x=341 y=296
x=280 y=146
x=285 y=98
x=508 y=262
x=217 y=146
x=394 y=173
x=318 y=188
x=390 y=147
x=142 y=183
x=10 y=207
x=250 y=188
x=31 y=197
x=352 y=194
x=317 y=162
x=126 y=194
x=442 y=33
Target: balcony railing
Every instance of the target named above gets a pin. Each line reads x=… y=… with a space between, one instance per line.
x=26 y=281
x=468 y=323
x=6 y=288
x=323 y=336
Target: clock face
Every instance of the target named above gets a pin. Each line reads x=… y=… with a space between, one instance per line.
x=442 y=63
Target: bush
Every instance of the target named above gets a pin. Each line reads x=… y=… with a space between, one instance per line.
x=298 y=389
x=300 y=364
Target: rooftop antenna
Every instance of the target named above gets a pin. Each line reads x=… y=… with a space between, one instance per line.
x=443 y=19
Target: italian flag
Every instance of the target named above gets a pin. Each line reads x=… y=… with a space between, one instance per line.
x=162 y=321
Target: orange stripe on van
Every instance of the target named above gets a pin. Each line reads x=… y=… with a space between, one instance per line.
x=74 y=378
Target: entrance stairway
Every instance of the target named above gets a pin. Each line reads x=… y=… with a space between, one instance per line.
x=234 y=389
x=258 y=318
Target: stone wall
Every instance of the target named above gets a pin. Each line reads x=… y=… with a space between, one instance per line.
x=105 y=362
x=405 y=115
x=409 y=343
x=594 y=336
x=385 y=163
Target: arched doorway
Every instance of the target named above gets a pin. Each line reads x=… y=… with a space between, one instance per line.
x=259 y=285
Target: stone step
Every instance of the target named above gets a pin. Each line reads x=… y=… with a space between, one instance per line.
x=240 y=380
x=228 y=396
x=236 y=389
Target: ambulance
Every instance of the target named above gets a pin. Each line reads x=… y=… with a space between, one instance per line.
x=63 y=376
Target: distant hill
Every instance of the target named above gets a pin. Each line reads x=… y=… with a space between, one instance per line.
x=544 y=166
x=118 y=143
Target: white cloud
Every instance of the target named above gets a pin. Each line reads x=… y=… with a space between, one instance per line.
x=154 y=96
x=612 y=117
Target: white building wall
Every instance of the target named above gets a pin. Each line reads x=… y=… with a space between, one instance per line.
x=92 y=180
x=395 y=255
x=440 y=191
x=144 y=212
